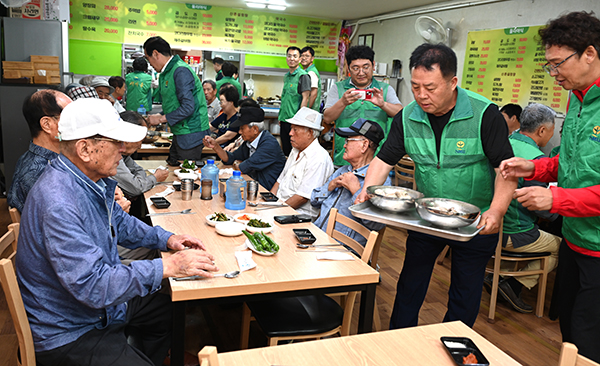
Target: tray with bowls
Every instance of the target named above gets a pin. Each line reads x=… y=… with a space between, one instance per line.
x=393 y=199
x=447 y=213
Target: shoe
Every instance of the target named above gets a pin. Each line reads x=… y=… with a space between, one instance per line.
x=509 y=295
x=487 y=282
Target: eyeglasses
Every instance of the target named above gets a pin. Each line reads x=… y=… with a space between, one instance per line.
x=549 y=68
x=364 y=68
x=353 y=139
x=120 y=143
x=292 y=56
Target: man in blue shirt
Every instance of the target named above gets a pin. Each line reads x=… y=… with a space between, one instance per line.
x=342 y=188
x=42 y=113
x=81 y=301
x=260 y=156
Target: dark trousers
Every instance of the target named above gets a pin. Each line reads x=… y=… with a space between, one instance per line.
x=469 y=260
x=178 y=153
x=284 y=134
x=579 y=298
x=148 y=328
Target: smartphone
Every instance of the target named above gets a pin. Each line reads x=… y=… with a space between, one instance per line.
x=292 y=219
x=364 y=94
x=304 y=236
x=269 y=197
x=463 y=351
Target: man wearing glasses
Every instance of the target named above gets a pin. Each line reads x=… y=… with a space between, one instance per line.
x=295 y=95
x=377 y=102
x=572 y=42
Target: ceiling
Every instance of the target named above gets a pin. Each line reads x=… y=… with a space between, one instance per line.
x=330 y=9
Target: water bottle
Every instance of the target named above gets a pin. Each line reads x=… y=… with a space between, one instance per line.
x=210 y=171
x=234 y=198
x=141 y=110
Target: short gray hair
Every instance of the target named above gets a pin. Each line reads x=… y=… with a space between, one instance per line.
x=315 y=133
x=536 y=115
x=260 y=125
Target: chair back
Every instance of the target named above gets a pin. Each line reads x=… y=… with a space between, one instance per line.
x=407 y=166
x=371 y=236
x=208 y=356
x=15 y=215
x=569 y=356
x=9 y=240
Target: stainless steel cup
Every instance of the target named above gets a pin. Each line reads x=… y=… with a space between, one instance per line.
x=187 y=187
x=252 y=190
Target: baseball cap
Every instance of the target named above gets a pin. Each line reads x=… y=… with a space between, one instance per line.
x=89 y=117
x=364 y=127
x=98 y=81
x=308 y=118
x=249 y=114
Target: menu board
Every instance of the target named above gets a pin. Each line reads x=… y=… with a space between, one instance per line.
x=201 y=27
x=505 y=66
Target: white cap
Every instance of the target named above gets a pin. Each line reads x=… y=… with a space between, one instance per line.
x=308 y=118
x=87 y=117
x=99 y=81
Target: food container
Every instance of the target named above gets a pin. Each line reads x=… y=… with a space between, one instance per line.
x=394 y=199
x=460 y=348
x=447 y=213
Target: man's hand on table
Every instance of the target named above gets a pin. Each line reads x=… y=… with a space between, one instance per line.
x=161 y=174
x=534 y=198
x=189 y=263
x=180 y=242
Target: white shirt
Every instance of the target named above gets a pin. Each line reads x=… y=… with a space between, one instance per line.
x=314 y=79
x=252 y=146
x=304 y=171
x=213 y=109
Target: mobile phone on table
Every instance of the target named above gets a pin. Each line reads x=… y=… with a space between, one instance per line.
x=292 y=219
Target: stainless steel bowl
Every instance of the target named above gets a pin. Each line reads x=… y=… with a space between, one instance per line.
x=391 y=203
x=447 y=213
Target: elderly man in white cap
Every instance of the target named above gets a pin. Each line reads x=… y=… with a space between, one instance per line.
x=81 y=301
x=308 y=166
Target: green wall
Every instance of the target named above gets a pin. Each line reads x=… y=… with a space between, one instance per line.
x=279 y=62
x=95 y=58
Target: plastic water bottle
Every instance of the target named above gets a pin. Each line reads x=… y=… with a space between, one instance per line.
x=234 y=198
x=141 y=110
x=210 y=171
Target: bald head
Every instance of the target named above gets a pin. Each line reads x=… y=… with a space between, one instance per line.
x=45 y=103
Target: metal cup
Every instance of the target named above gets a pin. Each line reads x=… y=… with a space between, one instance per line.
x=187 y=186
x=206 y=189
x=252 y=190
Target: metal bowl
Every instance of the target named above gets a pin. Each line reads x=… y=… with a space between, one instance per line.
x=392 y=203
x=447 y=213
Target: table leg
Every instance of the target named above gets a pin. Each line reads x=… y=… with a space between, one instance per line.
x=178 y=334
x=367 y=304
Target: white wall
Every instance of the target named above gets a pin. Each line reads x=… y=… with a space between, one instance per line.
x=396 y=38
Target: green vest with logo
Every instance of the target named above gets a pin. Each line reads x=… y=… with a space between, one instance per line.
x=139 y=91
x=578 y=163
x=518 y=219
x=290 y=98
x=198 y=121
x=232 y=81
x=317 y=104
x=462 y=172
x=359 y=109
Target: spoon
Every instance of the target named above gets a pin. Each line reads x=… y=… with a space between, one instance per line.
x=232 y=274
x=304 y=246
x=186 y=211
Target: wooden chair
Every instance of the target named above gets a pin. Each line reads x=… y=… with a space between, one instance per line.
x=569 y=356
x=313 y=316
x=405 y=166
x=208 y=356
x=505 y=255
x=26 y=352
x=15 y=215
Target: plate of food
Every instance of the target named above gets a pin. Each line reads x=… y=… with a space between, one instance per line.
x=261 y=225
x=245 y=217
x=217 y=217
x=261 y=244
x=395 y=199
x=186 y=174
x=447 y=213
x=187 y=164
x=229 y=228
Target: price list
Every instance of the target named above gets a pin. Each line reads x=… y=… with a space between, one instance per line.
x=505 y=66
x=201 y=26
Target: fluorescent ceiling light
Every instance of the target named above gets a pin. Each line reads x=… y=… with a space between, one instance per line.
x=255 y=5
x=277 y=7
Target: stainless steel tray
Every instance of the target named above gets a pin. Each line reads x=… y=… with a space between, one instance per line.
x=412 y=221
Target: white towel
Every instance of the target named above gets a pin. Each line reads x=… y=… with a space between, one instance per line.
x=165 y=193
x=244 y=260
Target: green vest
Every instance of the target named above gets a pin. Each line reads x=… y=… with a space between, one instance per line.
x=290 y=98
x=462 y=171
x=518 y=219
x=317 y=104
x=578 y=163
x=232 y=81
x=198 y=121
x=356 y=110
x=139 y=91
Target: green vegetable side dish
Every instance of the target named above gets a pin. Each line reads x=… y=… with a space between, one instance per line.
x=261 y=242
x=219 y=216
x=183 y=170
x=188 y=165
x=258 y=223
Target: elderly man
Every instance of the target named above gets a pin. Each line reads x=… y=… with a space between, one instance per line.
x=212 y=102
x=308 y=165
x=571 y=43
x=183 y=102
x=521 y=234
x=139 y=86
x=42 y=113
x=307 y=57
x=344 y=104
x=105 y=91
x=512 y=114
x=261 y=156
x=342 y=188
x=80 y=300
x=456 y=139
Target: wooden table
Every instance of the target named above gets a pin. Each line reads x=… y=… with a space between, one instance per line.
x=410 y=346
x=288 y=273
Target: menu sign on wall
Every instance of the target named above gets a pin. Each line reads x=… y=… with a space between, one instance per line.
x=505 y=66
x=201 y=26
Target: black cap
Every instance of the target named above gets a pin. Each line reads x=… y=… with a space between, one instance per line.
x=369 y=129
x=249 y=114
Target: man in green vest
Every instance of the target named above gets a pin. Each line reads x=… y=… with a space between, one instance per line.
x=521 y=233
x=572 y=43
x=183 y=101
x=139 y=86
x=360 y=96
x=228 y=70
x=307 y=56
x=457 y=140
x=295 y=95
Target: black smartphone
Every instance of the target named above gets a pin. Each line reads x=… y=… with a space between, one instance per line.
x=292 y=219
x=304 y=236
x=463 y=351
x=269 y=197
x=160 y=202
